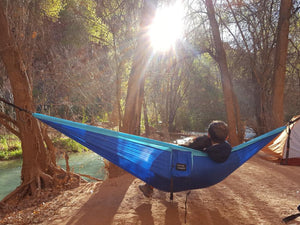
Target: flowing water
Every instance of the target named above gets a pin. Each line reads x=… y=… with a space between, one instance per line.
x=85 y=163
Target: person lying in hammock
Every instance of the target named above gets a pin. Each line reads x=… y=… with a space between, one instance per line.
x=214 y=144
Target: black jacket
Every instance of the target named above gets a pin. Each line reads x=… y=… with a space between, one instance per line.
x=200 y=143
x=219 y=152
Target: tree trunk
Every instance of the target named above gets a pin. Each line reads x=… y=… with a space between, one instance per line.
x=280 y=62
x=135 y=90
x=147 y=128
x=39 y=166
x=229 y=96
x=119 y=67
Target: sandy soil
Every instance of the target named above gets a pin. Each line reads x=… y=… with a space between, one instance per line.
x=259 y=192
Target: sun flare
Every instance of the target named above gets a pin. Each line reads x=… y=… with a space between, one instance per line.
x=167 y=27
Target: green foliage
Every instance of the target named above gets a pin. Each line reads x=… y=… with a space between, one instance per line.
x=10 y=147
x=79 y=21
x=52 y=8
x=204 y=101
x=84 y=116
x=3 y=143
x=97 y=29
x=11 y=154
x=69 y=145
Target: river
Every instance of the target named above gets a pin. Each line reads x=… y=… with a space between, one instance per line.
x=86 y=163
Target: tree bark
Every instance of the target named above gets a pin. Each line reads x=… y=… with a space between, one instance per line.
x=39 y=166
x=280 y=62
x=147 y=127
x=135 y=89
x=229 y=96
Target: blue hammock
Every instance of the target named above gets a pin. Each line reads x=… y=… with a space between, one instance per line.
x=165 y=166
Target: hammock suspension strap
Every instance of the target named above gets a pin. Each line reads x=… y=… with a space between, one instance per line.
x=15 y=106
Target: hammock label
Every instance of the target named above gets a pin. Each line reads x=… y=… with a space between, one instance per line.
x=180 y=166
x=181 y=163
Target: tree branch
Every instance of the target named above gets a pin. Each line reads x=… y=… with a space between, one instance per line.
x=8 y=118
x=5 y=120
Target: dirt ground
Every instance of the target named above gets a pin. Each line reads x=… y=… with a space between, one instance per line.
x=259 y=192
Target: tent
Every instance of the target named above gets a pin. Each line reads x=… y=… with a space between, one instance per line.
x=285 y=148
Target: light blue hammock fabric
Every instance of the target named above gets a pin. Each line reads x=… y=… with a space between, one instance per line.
x=165 y=166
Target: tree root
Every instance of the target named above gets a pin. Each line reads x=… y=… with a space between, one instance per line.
x=41 y=188
x=5 y=208
x=90 y=177
x=17 y=192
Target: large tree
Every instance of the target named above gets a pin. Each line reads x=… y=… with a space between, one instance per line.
x=136 y=82
x=259 y=53
x=231 y=104
x=280 y=62
x=39 y=168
